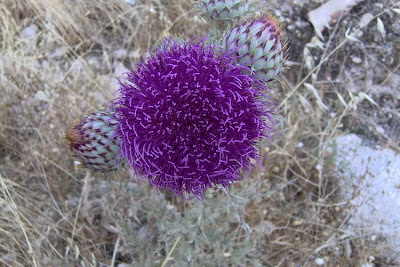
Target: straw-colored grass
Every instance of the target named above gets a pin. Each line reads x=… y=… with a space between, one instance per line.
x=53 y=212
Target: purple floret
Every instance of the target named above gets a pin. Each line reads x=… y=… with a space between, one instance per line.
x=190 y=118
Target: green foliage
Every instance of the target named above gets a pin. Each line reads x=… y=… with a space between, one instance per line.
x=212 y=232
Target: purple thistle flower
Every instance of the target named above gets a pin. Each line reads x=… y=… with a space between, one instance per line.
x=190 y=118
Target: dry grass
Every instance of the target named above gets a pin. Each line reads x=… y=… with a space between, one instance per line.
x=55 y=213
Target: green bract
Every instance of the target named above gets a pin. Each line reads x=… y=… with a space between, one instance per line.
x=93 y=142
x=258 y=44
x=224 y=9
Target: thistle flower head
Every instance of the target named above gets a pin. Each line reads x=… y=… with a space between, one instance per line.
x=258 y=44
x=224 y=9
x=189 y=119
x=92 y=141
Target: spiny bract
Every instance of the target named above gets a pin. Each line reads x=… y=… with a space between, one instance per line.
x=224 y=9
x=190 y=118
x=257 y=43
x=93 y=142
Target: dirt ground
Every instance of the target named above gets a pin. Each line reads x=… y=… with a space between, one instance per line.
x=59 y=60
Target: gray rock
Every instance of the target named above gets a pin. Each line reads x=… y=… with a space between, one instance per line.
x=365 y=19
x=370 y=180
x=120 y=53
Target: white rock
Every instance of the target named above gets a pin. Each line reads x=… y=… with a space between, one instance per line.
x=380 y=130
x=29 y=33
x=356 y=60
x=300 y=144
x=40 y=95
x=318 y=167
x=319 y=261
x=375 y=176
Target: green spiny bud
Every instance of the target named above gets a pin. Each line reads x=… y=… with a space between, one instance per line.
x=94 y=142
x=258 y=42
x=224 y=9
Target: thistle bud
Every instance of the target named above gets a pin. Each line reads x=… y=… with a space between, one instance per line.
x=93 y=141
x=258 y=44
x=224 y=9
x=167 y=42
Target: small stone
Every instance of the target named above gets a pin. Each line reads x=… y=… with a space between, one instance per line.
x=319 y=261
x=29 y=33
x=300 y=24
x=300 y=145
x=42 y=96
x=356 y=60
x=275 y=169
x=58 y=52
x=297 y=222
x=120 y=53
x=28 y=37
x=318 y=167
x=365 y=19
x=278 y=13
x=358 y=34
x=380 y=130
x=170 y=207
